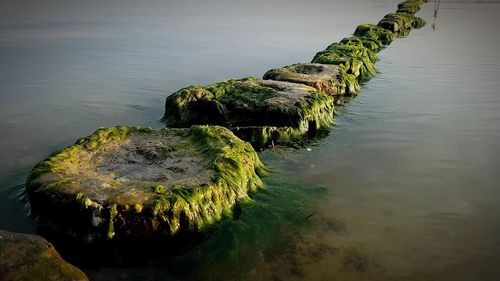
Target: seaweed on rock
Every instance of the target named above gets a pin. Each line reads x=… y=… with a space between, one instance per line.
x=371 y=44
x=356 y=60
x=410 y=6
x=251 y=102
x=326 y=78
x=374 y=32
x=401 y=23
x=130 y=181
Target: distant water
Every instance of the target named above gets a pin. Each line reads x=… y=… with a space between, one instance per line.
x=405 y=187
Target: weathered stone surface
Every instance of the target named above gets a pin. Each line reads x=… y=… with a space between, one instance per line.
x=374 y=32
x=251 y=102
x=355 y=60
x=31 y=258
x=124 y=182
x=324 y=77
x=401 y=23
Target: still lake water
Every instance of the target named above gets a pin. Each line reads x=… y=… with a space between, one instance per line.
x=405 y=187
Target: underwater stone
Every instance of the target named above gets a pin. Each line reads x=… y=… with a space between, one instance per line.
x=251 y=102
x=324 y=77
x=30 y=257
x=126 y=182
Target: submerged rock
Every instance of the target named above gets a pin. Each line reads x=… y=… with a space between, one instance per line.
x=30 y=257
x=250 y=103
x=401 y=23
x=324 y=77
x=125 y=182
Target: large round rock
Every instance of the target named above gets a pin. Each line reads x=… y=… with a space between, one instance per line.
x=31 y=258
x=133 y=181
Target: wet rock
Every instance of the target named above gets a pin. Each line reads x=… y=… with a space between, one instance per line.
x=251 y=102
x=356 y=60
x=30 y=257
x=326 y=78
x=124 y=182
x=401 y=23
x=374 y=32
x=371 y=44
x=410 y=6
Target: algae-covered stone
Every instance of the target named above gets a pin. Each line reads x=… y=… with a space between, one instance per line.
x=374 y=32
x=410 y=6
x=124 y=182
x=31 y=258
x=355 y=60
x=371 y=44
x=401 y=23
x=265 y=136
x=327 y=78
x=251 y=102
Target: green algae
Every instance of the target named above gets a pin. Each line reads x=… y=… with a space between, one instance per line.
x=252 y=102
x=99 y=215
x=401 y=23
x=410 y=6
x=369 y=43
x=322 y=77
x=356 y=60
x=374 y=32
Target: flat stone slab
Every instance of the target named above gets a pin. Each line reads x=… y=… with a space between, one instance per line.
x=133 y=181
x=30 y=257
x=326 y=78
x=251 y=102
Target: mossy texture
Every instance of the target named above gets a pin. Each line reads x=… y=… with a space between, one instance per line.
x=26 y=257
x=323 y=77
x=128 y=181
x=251 y=102
x=371 y=44
x=374 y=32
x=410 y=6
x=356 y=60
x=264 y=136
x=401 y=23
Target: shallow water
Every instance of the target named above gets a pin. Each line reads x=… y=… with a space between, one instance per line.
x=405 y=187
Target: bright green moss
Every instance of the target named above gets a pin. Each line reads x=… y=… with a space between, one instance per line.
x=401 y=23
x=410 y=6
x=374 y=32
x=371 y=44
x=356 y=60
x=252 y=102
x=92 y=214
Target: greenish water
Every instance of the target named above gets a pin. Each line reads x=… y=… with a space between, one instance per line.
x=405 y=186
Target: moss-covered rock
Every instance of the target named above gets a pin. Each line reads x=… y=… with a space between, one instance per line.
x=31 y=258
x=374 y=32
x=125 y=182
x=401 y=23
x=326 y=78
x=410 y=6
x=355 y=60
x=251 y=102
x=371 y=44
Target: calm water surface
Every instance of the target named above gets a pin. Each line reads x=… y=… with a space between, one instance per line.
x=405 y=187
